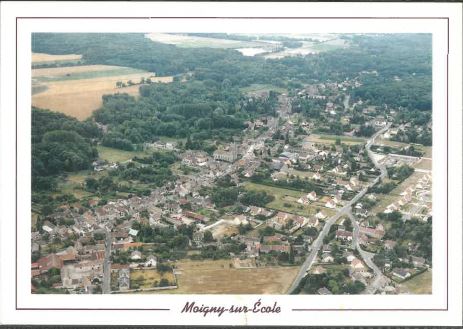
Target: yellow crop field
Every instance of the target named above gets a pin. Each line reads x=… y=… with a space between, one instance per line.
x=220 y=277
x=79 y=98
x=42 y=58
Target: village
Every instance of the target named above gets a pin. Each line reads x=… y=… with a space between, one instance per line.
x=280 y=195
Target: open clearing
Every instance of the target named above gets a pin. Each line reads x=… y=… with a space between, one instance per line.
x=420 y=284
x=39 y=58
x=79 y=98
x=149 y=278
x=115 y=155
x=219 y=277
x=285 y=197
x=329 y=139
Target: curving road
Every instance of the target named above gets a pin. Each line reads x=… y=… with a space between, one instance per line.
x=346 y=210
x=379 y=280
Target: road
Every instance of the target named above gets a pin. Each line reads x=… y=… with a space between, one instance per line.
x=106 y=289
x=346 y=210
x=379 y=280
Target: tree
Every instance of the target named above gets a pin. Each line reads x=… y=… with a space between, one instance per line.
x=208 y=237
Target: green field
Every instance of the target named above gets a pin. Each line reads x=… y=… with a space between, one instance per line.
x=57 y=63
x=316 y=138
x=91 y=74
x=420 y=284
x=114 y=155
x=290 y=197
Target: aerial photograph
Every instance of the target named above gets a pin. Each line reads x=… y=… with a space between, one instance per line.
x=217 y=163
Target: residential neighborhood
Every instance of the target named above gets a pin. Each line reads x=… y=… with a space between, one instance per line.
x=320 y=191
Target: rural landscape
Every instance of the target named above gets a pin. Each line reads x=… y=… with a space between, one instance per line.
x=213 y=163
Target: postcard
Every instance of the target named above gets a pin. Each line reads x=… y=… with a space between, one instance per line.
x=246 y=164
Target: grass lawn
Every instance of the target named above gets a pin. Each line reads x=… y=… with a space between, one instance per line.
x=420 y=284
x=284 y=197
x=114 y=155
x=332 y=139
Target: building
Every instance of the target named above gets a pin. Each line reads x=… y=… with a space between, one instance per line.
x=417 y=261
x=357 y=265
x=151 y=261
x=327 y=258
x=401 y=273
x=376 y=233
x=324 y=291
x=344 y=235
x=228 y=156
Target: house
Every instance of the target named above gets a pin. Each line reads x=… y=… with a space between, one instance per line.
x=327 y=258
x=195 y=216
x=401 y=273
x=303 y=200
x=318 y=270
x=151 y=261
x=330 y=204
x=326 y=248
x=312 y=222
x=259 y=211
x=357 y=265
x=417 y=261
x=316 y=176
x=229 y=155
x=389 y=244
x=320 y=215
x=133 y=232
x=48 y=262
x=376 y=233
x=324 y=291
x=135 y=255
x=312 y=196
x=350 y=257
x=198 y=237
x=343 y=235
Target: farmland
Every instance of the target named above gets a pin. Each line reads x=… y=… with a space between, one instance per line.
x=39 y=58
x=77 y=91
x=219 y=277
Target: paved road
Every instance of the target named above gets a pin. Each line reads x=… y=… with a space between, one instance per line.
x=346 y=210
x=379 y=280
x=106 y=289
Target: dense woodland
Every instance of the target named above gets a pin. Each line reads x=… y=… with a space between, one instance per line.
x=60 y=144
